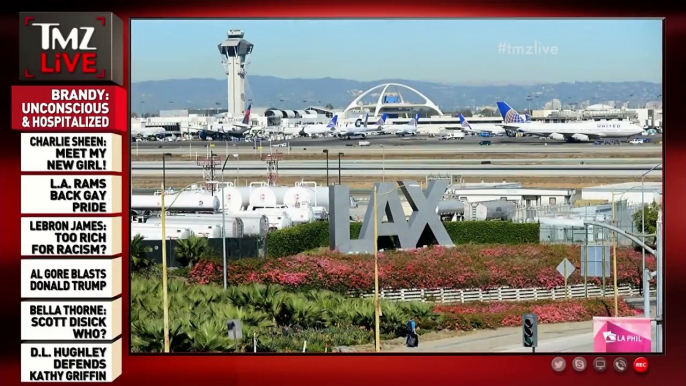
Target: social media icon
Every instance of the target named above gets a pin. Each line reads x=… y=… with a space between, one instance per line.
x=600 y=364
x=620 y=365
x=641 y=365
x=579 y=364
x=559 y=364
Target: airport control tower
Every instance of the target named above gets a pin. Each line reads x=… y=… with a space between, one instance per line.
x=235 y=51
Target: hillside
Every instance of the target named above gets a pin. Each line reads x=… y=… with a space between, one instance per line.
x=268 y=91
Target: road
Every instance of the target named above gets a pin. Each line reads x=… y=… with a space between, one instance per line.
x=391 y=144
x=560 y=337
x=621 y=168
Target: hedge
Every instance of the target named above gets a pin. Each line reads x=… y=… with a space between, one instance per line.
x=305 y=237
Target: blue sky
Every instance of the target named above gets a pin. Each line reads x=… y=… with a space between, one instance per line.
x=450 y=51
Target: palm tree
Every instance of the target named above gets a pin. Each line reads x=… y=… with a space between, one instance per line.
x=189 y=251
x=138 y=253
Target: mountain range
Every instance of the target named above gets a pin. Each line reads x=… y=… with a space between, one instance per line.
x=269 y=91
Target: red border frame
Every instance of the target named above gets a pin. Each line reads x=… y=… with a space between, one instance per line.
x=344 y=369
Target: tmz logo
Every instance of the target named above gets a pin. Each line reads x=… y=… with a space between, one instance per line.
x=70 y=47
x=77 y=40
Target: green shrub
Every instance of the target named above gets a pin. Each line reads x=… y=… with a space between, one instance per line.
x=301 y=238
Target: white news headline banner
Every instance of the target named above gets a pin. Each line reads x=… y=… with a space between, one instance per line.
x=59 y=194
x=71 y=278
x=74 y=362
x=70 y=152
x=83 y=320
x=75 y=236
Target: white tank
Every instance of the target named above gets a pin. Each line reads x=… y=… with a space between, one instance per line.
x=181 y=202
x=450 y=207
x=494 y=210
x=305 y=195
x=233 y=198
x=279 y=221
x=154 y=232
x=203 y=224
x=254 y=224
x=267 y=196
x=190 y=201
x=300 y=215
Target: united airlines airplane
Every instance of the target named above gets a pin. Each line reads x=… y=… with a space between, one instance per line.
x=409 y=129
x=148 y=133
x=318 y=130
x=571 y=131
x=480 y=128
x=361 y=129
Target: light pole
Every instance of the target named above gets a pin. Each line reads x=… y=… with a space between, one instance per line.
x=164 y=169
x=165 y=304
x=377 y=309
x=224 y=224
x=326 y=151
x=238 y=166
x=383 y=164
x=646 y=273
x=339 y=167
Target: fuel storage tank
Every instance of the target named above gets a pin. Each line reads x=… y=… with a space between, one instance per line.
x=203 y=225
x=304 y=195
x=235 y=199
x=180 y=202
x=267 y=196
x=495 y=210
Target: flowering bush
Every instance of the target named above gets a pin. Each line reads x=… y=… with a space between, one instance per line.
x=205 y=272
x=509 y=314
x=461 y=267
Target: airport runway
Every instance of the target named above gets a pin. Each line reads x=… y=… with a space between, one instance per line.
x=388 y=144
x=623 y=168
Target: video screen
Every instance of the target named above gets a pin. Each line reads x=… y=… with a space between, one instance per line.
x=396 y=186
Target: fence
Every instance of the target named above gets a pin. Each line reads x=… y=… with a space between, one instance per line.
x=236 y=248
x=560 y=234
x=504 y=294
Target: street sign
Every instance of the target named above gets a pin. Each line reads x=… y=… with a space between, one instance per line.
x=595 y=260
x=566 y=268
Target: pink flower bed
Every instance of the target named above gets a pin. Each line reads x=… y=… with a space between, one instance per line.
x=462 y=267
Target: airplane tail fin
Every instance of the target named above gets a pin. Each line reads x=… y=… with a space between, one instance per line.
x=381 y=120
x=366 y=117
x=463 y=122
x=332 y=124
x=246 y=117
x=509 y=114
x=414 y=121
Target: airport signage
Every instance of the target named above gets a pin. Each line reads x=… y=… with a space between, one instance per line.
x=406 y=233
x=623 y=335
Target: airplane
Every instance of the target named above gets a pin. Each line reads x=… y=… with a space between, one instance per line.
x=149 y=133
x=409 y=129
x=318 y=130
x=480 y=128
x=219 y=130
x=571 y=131
x=361 y=129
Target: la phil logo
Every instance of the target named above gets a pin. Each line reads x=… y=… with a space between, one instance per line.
x=70 y=46
x=54 y=46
